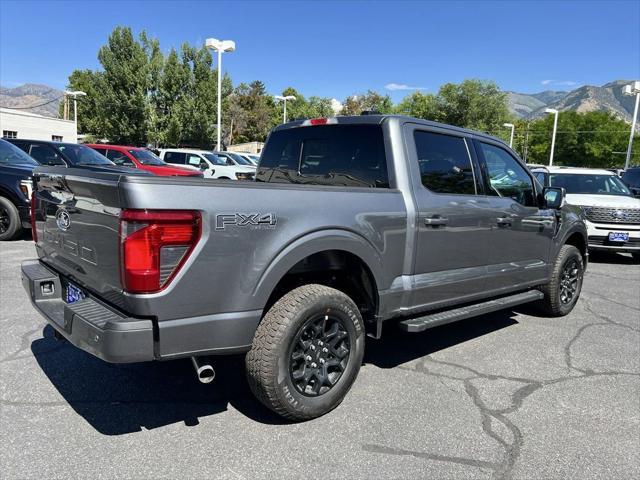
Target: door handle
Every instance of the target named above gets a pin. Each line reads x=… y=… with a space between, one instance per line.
x=435 y=221
x=504 y=221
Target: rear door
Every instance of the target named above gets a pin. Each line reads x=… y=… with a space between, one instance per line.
x=177 y=158
x=522 y=232
x=453 y=230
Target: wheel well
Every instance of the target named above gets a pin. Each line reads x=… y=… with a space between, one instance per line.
x=338 y=269
x=577 y=240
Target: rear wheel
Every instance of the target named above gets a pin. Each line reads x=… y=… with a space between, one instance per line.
x=306 y=352
x=563 y=291
x=9 y=219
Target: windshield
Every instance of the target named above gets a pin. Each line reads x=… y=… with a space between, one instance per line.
x=146 y=157
x=239 y=159
x=82 y=155
x=216 y=160
x=12 y=155
x=589 y=184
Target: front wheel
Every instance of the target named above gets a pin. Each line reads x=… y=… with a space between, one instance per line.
x=10 y=224
x=306 y=352
x=563 y=291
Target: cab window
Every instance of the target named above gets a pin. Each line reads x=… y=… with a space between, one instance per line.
x=445 y=165
x=505 y=177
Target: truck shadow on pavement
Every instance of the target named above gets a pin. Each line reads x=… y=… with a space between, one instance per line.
x=119 y=399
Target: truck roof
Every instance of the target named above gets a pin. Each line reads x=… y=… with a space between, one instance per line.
x=380 y=118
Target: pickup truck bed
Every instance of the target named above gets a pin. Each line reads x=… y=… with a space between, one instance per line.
x=351 y=222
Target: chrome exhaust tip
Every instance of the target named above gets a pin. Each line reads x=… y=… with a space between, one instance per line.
x=204 y=371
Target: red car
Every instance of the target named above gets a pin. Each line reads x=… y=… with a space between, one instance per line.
x=143 y=159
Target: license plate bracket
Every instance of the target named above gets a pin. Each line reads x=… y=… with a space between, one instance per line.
x=619 y=237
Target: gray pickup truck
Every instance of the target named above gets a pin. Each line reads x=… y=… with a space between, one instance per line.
x=351 y=222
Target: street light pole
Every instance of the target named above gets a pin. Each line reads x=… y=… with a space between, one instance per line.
x=513 y=128
x=284 y=99
x=632 y=89
x=75 y=95
x=555 y=128
x=220 y=46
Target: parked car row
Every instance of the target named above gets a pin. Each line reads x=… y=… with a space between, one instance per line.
x=18 y=158
x=213 y=164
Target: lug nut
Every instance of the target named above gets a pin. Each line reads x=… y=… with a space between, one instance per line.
x=320 y=342
x=325 y=350
x=321 y=361
x=308 y=358
x=314 y=365
x=313 y=347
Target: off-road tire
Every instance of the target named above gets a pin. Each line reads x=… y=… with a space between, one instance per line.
x=552 y=304
x=268 y=363
x=9 y=213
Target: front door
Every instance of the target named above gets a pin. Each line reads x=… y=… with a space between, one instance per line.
x=453 y=230
x=522 y=232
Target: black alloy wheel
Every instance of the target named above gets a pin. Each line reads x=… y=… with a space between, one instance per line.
x=319 y=355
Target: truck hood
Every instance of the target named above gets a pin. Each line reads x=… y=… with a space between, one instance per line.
x=589 y=200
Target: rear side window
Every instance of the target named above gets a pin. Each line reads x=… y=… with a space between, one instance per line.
x=445 y=165
x=339 y=155
x=174 y=157
x=45 y=155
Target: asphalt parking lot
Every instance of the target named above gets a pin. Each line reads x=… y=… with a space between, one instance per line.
x=508 y=395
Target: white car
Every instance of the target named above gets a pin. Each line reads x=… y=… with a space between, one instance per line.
x=236 y=158
x=611 y=212
x=211 y=164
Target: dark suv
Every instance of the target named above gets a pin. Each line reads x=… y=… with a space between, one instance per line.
x=631 y=177
x=15 y=190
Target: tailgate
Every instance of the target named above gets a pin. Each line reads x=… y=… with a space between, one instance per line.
x=77 y=223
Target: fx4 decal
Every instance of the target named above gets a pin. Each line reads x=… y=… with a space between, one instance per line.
x=254 y=221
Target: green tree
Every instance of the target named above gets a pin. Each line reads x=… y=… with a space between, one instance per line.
x=370 y=101
x=592 y=139
x=123 y=98
x=90 y=119
x=475 y=104
x=419 y=105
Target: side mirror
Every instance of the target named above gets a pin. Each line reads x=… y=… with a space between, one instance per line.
x=203 y=166
x=553 y=197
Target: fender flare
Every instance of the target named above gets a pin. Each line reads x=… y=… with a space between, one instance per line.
x=317 y=242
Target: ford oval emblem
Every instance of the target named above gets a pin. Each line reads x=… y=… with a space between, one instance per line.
x=63 y=219
x=619 y=215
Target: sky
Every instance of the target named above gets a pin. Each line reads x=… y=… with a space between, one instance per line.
x=339 y=48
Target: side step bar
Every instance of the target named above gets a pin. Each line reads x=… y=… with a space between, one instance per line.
x=440 y=318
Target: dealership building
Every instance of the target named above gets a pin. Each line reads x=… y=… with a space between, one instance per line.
x=23 y=124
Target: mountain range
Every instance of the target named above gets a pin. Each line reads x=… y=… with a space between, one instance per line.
x=32 y=95
x=587 y=98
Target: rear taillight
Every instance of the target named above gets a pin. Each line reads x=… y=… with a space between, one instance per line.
x=154 y=246
x=32 y=216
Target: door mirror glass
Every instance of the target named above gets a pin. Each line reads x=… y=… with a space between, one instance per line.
x=553 y=197
x=203 y=166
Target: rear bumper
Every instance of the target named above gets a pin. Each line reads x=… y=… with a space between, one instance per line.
x=88 y=324
x=91 y=325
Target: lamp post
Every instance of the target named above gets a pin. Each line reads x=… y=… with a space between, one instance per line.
x=284 y=99
x=75 y=94
x=632 y=89
x=555 y=128
x=513 y=128
x=220 y=46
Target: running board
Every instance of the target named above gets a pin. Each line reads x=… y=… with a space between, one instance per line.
x=429 y=321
